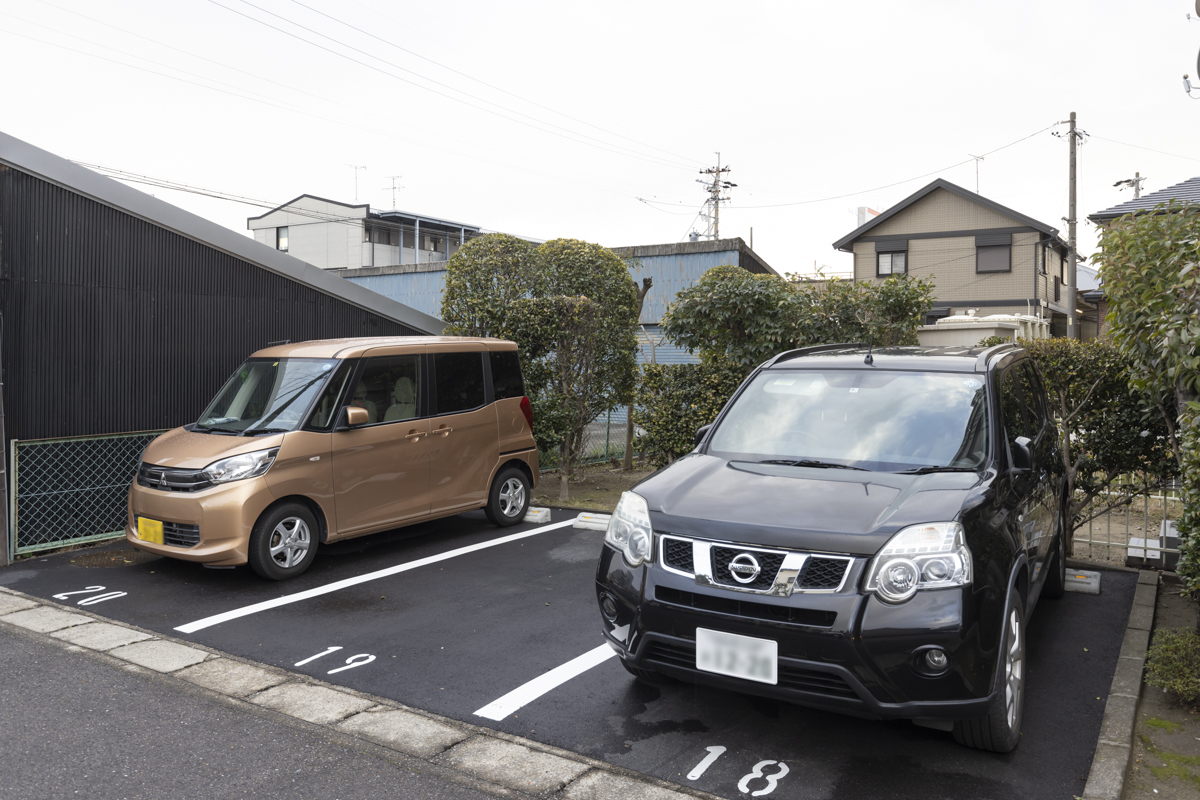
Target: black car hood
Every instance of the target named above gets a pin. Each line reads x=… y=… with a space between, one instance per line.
x=828 y=510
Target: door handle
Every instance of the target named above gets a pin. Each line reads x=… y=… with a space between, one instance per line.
x=415 y=436
x=444 y=430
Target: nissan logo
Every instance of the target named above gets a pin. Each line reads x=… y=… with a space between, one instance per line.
x=744 y=568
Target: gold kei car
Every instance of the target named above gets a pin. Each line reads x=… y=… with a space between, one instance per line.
x=322 y=441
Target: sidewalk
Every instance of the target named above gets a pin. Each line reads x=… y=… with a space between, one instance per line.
x=1166 y=754
x=93 y=708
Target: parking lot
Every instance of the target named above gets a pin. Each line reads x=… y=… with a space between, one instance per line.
x=498 y=627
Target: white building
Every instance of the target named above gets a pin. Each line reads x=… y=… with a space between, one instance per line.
x=333 y=235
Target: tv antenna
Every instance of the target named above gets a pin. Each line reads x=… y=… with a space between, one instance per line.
x=356 y=168
x=394 y=187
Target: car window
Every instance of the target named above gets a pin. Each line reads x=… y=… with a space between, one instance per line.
x=1035 y=391
x=506 y=375
x=325 y=410
x=389 y=388
x=1014 y=405
x=876 y=419
x=459 y=381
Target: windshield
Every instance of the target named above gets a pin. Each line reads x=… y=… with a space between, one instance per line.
x=266 y=395
x=870 y=419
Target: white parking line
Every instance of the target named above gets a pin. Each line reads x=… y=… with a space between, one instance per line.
x=266 y=605
x=526 y=694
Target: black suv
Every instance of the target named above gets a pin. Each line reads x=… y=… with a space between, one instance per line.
x=863 y=532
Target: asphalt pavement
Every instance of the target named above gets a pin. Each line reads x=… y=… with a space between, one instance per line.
x=499 y=628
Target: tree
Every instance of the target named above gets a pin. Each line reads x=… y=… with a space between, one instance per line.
x=642 y=291
x=483 y=278
x=577 y=341
x=1148 y=262
x=1104 y=428
x=676 y=400
x=746 y=317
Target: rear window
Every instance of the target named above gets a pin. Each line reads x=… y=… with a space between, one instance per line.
x=506 y=375
x=459 y=381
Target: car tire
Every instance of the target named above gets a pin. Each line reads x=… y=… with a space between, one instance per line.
x=1000 y=730
x=284 y=542
x=645 y=675
x=1056 y=580
x=509 y=498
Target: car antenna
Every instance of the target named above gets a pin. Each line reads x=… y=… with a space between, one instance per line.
x=870 y=346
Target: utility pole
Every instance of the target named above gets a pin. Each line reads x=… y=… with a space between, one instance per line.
x=714 y=188
x=1136 y=182
x=393 y=179
x=1072 y=329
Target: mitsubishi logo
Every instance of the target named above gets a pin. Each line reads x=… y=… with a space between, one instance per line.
x=160 y=478
x=744 y=568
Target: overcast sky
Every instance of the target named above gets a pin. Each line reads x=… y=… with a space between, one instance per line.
x=552 y=119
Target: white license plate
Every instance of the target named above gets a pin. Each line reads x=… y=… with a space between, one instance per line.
x=737 y=656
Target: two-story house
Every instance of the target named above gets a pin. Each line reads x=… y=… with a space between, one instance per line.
x=333 y=235
x=979 y=254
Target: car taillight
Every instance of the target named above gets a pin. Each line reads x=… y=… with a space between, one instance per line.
x=527 y=410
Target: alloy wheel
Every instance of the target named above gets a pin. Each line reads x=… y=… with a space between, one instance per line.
x=512 y=497
x=290 y=542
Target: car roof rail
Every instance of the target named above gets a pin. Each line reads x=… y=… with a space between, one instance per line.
x=805 y=351
x=982 y=362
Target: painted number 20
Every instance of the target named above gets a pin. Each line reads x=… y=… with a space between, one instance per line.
x=757 y=773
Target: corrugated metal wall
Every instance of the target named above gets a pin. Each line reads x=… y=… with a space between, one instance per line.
x=419 y=290
x=672 y=274
x=114 y=324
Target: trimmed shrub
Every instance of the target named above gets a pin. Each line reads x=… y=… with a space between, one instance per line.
x=1173 y=663
x=674 y=400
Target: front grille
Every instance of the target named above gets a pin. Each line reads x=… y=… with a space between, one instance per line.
x=677 y=554
x=795 y=678
x=746 y=608
x=769 y=564
x=177 y=534
x=171 y=480
x=822 y=573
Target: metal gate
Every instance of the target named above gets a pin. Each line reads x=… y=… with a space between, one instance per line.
x=71 y=491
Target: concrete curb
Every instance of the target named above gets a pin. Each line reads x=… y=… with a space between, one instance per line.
x=488 y=760
x=1114 y=747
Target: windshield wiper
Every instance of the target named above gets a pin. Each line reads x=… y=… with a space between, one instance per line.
x=805 y=462
x=257 y=431
x=935 y=468
x=207 y=429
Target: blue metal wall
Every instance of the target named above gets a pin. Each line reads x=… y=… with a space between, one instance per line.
x=671 y=274
x=419 y=290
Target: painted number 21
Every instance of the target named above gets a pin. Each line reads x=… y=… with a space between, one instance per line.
x=758 y=773
x=351 y=662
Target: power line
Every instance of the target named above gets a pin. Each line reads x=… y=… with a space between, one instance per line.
x=491 y=86
x=1140 y=147
x=898 y=183
x=557 y=175
x=570 y=136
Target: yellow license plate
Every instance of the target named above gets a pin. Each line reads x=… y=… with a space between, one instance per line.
x=150 y=530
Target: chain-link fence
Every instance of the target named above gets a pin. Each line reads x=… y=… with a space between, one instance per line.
x=603 y=441
x=70 y=491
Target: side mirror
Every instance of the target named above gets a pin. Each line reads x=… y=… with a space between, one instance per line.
x=356 y=416
x=1022 y=454
x=701 y=433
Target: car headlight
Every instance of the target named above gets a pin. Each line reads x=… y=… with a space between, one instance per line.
x=629 y=529
x=930 y=556
x=236 y=468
